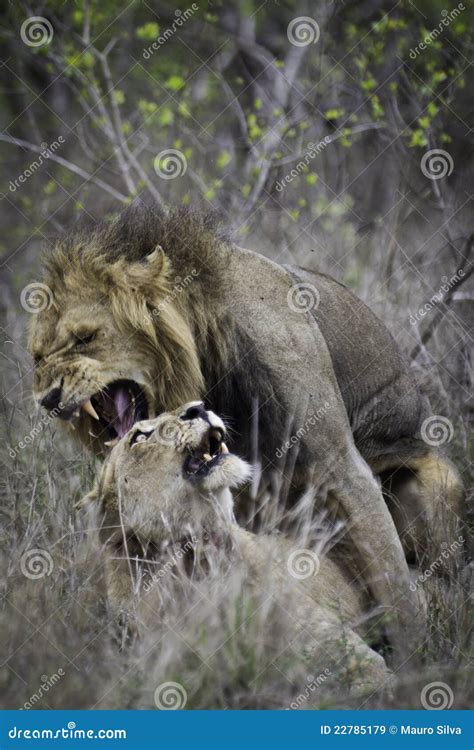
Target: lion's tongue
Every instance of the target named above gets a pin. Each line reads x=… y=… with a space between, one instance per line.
x=124 y=412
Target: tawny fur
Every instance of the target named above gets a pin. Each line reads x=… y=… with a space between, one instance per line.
x=231 y=336
x=148 y=509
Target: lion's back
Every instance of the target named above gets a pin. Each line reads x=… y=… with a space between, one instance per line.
x=380 y=393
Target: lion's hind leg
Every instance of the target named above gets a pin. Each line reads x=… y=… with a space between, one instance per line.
x=424 y=495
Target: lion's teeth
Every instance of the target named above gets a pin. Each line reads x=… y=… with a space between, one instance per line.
x=224 y=448
x=76 y=413
x=111 y=443
x=89 y=409
x=207 y=457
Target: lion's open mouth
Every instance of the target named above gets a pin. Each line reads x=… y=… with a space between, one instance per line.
x=201 y=460
x=117 y=407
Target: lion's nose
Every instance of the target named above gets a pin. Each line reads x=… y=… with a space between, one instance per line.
x=195 y=411
x=52 y=399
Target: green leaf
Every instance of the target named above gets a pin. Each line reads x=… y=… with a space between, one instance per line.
x=148 y=32
x=165 y=116
x=369 y=84
x=418 y=138
x=175 y=83
x=333 y=114
x=223 y=159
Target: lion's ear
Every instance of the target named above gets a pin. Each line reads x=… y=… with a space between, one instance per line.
x=145 y=275
x=157 y=260
x=155 y=254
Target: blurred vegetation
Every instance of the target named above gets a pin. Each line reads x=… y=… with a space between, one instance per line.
x=229 y=91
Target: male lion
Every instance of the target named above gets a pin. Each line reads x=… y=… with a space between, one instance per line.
x=166 y=513
x=154 y=310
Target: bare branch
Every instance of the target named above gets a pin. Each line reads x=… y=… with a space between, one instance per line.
x=68 y=165
x=442 y=305
x=129 y=157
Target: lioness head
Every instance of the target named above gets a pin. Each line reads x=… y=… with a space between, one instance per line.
x=171 y=474
x=117 y=344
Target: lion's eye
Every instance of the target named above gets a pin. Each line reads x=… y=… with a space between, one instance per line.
x=82 y=339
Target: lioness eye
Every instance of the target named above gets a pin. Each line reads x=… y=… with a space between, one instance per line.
x=139 y=437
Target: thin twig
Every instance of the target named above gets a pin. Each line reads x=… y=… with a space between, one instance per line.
x=67 y=164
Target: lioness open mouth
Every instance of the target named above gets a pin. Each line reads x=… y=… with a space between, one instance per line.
x=201 y=460
x=116 y=409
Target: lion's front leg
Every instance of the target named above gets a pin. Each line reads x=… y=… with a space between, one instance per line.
x=338 y=654
x=121 y=594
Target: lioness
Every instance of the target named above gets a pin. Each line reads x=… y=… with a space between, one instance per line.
x=157 y=309
x=166 y=486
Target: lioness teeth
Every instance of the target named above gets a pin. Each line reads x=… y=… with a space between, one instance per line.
x=111 y=443
x=207 y=457
x=224 y=448
x=89 y=409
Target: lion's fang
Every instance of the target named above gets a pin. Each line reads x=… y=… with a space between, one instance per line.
x=89 y=409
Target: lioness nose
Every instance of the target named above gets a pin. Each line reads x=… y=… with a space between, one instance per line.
x=52 y=399
x=195 y=411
